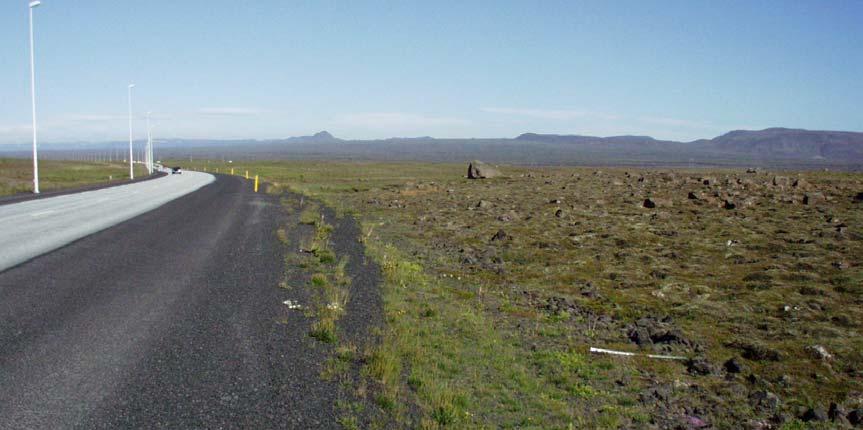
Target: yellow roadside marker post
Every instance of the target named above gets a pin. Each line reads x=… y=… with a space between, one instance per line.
x=232 y=170
x=247 y=174
x=256 y=183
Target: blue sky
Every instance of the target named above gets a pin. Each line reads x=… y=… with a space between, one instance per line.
x=236 y=69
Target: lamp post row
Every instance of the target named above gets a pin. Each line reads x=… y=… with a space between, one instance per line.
x=148 y=157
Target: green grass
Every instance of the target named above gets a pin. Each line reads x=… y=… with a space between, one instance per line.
x=16 y=175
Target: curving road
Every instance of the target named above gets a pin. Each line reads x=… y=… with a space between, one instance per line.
x=34 y=227
x=172 y=319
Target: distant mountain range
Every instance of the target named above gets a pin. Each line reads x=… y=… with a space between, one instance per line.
x=782 y=147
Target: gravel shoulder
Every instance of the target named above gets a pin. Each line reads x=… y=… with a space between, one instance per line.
x=172 y=319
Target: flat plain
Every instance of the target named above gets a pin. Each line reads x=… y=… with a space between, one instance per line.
x=16 y=174
x=495 y=290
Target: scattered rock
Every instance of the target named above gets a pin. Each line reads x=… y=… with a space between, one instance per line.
x=660 y=394
x=813 y=198
x=766 y=400
x=780 y=181
x=648 y=203
x=700 y=366
x=733 y=366
x=559 y=213
x=799 y=183
x=819 y=352
x=695 y=422
x=855 y=417
x=836 y=413
x=479 y=170
x=483 y=204
x=841 y=265
x=649 y=330
x=692 y=196
x=640 y=336
x=555 y=201
x=589 y=291
x=500 y=236
x=756 y=352
x=858 y=197
x=729 y=204
x=814 y=414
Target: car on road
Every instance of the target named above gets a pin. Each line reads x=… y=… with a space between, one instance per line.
x=176 y=170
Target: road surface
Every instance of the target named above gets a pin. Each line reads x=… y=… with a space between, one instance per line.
x=171 y=319
x=34 y=227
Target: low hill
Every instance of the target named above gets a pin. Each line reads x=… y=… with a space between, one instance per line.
x=796 y=143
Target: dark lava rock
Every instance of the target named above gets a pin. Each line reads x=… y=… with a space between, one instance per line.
x=561 y=305
x=649 y=204
x=692 y=196
x=814 y=414
x=733 y=365
x=729 y=204
x=649 y=330
x=500 y=236
x=855 y=417
x=756 y=352
x=479 y=170
x=764 y=400
x=858 y=197
x=836 y=413
x=640 y=336
x=559 y=213
x=813 y=198
x=700 y=366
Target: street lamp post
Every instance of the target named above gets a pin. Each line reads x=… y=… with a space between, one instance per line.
x=33 y=4
x=148 y=156
x=131 y=155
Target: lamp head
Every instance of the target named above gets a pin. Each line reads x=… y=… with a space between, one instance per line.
x=131 y=85
x=35 y=3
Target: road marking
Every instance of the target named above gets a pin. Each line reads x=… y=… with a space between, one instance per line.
x=38 y=214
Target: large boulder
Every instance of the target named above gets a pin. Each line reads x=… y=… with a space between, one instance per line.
x=479 y=170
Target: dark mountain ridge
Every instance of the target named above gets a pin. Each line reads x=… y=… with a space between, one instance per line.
x=772 y=147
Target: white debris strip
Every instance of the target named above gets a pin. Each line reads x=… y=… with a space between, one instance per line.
x=632 y=354
x=292 y=304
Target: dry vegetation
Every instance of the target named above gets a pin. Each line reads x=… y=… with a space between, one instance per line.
x=495 y=290
x=16 y=175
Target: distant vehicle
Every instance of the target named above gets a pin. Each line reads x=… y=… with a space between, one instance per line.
x=176 y=171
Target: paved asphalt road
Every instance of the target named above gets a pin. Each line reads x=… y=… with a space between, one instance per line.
x=32 y=228
x=172 y=319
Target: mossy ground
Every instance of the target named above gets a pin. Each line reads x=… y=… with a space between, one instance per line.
x=484 y=333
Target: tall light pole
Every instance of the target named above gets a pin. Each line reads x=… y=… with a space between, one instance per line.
x=33 y=4
x=131 y=155
x=147 y=157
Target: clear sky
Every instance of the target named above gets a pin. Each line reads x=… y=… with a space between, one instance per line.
x=269 y=69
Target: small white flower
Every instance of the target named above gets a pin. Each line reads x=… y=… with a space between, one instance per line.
x=292 y=304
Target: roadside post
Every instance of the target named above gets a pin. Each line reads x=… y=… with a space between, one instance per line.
x=256 y=183
x=247 y=174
